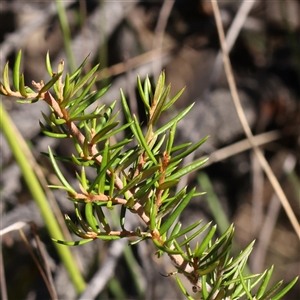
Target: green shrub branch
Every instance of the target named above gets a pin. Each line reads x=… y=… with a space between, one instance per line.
x=139 y=174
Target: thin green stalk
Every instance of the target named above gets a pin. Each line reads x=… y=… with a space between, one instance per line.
x=66 y=33
x=18 y=149
x=116 y=288
x=134 y=271
x=213 y=202
x=130 y=261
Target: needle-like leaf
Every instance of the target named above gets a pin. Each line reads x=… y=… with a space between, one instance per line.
x=16 y=72
x=173 y=216
x=59 y=173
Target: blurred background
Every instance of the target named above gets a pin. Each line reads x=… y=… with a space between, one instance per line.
x=180 y=37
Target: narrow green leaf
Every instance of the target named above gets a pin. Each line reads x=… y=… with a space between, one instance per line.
x=16 y=72
x=207 y=268
x=180 y=207
x=58 y=187
x=112 y=178
x=90 y=218
x=103 y=131
x=4 y=92
x=75 y=76
x=125 y=107
x=157 y=147
x=241 y=256
x=220 y=295
x=85 y=95
x=285 y=290
x=189 y=150
x=107 y=237
x=122 y=216
x=188 y=169
x=158 y=109
x=110 y=109
x=83 y=179
x=21 y=85
x=50 y=83
x=176 y=119
x=73 y=228
x=127 y=161
x=153 y=213
x=170 y=140
x=205 y=241
x=248 y=277
x=158 y=90
x=101 y=174
x=59 y=174
x=185 y=293
x=54 y=134
x=85 y=103
x=61 y=66
x=165 y=249
x=85 y=79
x=59 y=122
x=48 y=64
x=104 y=163
x=82 y=222
x=173 y=100
x=171 y=168
x=195 y=234
x=143 y=141
x=265 y=283
x=25 y=101
x=224 y=240
x=147 y=89
x=75 y=243
x=169 y=205
x=184 y=231
x=168 y=184
x=175 y=231
x=66 y=85
x=142 y=95
x=204 y=289
x=125 y=155
x=179 y=147
x=145 y=187
x=149 y=172
x=120 y=145
x=129 y=185
x=242 y=280
x=271 y=291
x=5 y=78
x=216 y=286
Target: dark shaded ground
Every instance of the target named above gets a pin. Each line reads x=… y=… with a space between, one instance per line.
x=266 y=62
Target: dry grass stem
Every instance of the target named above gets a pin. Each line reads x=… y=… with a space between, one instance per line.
x=232 y=85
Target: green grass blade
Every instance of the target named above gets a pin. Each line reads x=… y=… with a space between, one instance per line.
x=38 y=195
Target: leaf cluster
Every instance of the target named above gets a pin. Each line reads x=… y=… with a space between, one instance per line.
x=139 y=174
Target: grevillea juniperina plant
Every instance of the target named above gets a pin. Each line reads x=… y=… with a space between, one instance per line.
x=139 y=174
